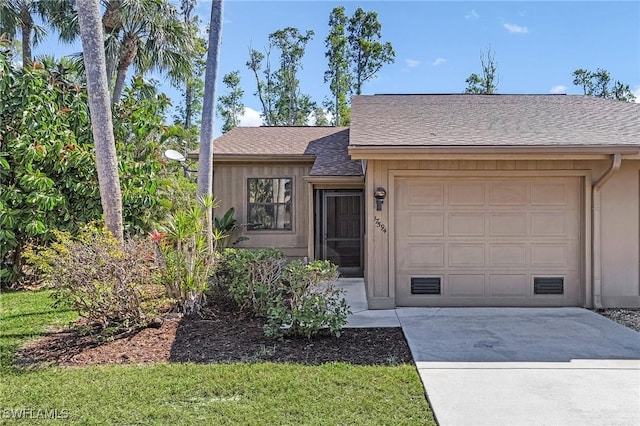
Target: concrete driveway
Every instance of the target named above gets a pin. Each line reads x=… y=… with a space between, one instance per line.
x=550 y=366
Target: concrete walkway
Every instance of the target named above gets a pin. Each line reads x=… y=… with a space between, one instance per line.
x=517 y=366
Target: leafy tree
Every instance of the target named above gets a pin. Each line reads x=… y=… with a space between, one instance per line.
x=279 y=91
x=599 y=84
x=230 y=106
x=205 y=159
x=48 y=163
x=338 y=75
x=101 y=119
x=488 y=83
x=355 y=54
x=16 y=16
x=367 y=53
x=319 y=117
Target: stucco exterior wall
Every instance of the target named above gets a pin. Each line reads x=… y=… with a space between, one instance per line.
x=230 y=188
x=620 y=221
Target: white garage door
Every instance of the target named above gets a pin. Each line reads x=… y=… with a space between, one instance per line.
x=487 y=242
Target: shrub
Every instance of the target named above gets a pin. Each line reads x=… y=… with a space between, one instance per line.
x=306 y=301
x=249 y=277
x=110 y=284
x=296 y=299
x=187 y=262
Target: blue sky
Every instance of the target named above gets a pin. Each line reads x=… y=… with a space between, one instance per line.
x=537 y=45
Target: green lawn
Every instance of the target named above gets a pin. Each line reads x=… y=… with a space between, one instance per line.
x=183 y=394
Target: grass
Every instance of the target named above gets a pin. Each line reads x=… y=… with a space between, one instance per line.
x=186 y=394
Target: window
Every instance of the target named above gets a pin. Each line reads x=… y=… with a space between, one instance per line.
x=269 y=204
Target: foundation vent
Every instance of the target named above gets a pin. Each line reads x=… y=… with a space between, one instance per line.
x=548 y=285
x=425 y=285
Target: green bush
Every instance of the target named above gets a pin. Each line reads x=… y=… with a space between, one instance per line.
x=249 y=277
x=187 y=262
x=112 y=285
x=296 y=299
x=306 y=301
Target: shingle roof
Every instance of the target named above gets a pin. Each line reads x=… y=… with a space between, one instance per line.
x=327 y=144
x=502 y=120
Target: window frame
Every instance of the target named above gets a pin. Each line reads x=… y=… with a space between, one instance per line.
x=249 y=204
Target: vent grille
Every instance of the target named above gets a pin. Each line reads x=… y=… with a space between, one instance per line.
x=425 y=285
x=548 y=285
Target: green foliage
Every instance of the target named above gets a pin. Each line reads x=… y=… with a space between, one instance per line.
x=186 y=258
x=249 y=277
x=488 y=83
x=109 y=283
x=598 y=83
x=306 y=301
x=338 y=74
x=230 y=106
x=47 y=160
x=296 y=299
x=367 y=54
x=224 y=227
x=279 y=90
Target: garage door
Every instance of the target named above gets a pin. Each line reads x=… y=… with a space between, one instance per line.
x=488 y=242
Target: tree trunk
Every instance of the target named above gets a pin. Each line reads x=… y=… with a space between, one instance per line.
x=101 y=120
x=205 y=161
x=127 y=54
x=112 y=23
x=27 y=28
x=188 y=107
x=119 y=85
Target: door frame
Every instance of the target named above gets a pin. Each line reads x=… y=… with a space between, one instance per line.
x=321 y=196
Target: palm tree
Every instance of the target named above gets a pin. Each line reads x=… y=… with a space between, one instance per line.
x=100 y=109
x=152 y=37
x=16 y=16
x=205 y=161
x=147 y=34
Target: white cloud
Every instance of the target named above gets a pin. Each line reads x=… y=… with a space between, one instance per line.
x=558 y=89
x=472 y=15
x=439 y=61
x=412 y=63
x=636 y=93
x=250 y=118
x=516 y=29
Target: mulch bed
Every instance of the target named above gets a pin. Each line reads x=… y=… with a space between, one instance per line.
x=218 y=337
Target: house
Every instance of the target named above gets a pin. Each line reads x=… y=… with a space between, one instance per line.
x=452 y=200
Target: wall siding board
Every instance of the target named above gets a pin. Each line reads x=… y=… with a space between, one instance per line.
x=230 y=183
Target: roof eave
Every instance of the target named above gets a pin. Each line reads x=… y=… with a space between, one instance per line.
x=475 y=152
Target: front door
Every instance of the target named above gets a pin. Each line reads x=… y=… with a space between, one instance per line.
x=342 y=230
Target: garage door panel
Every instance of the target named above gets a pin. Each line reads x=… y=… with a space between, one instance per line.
x=508 y=255
x=549 y=224
x=466 y=224
x=549 y=194
x=509 y=285
x=508 y=224
x=466 y=194
x=465 y=285
x=466 y=255
x=420 y=194
x=425 y=224
x=507 y=194
x=488 y=240
x=425 y=255
x=550 y=255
